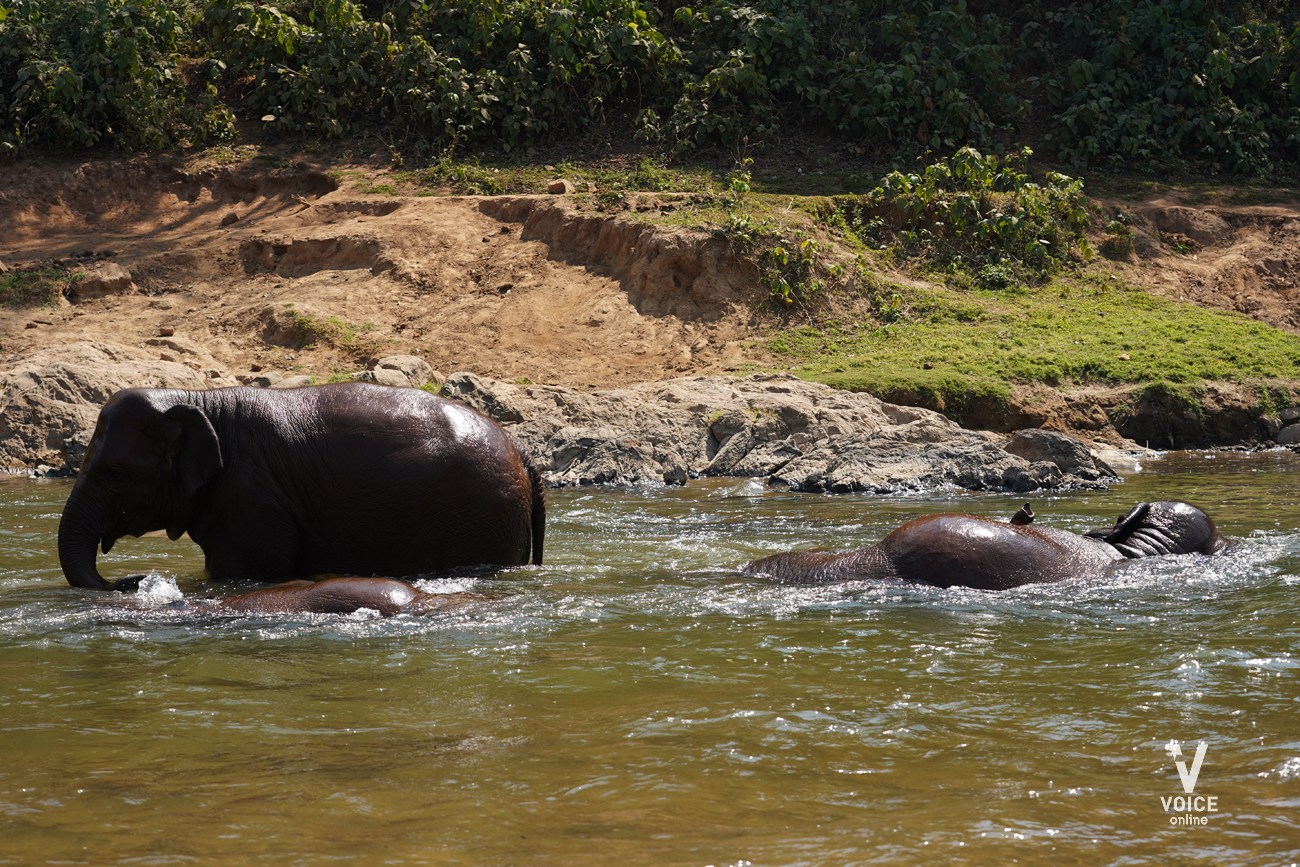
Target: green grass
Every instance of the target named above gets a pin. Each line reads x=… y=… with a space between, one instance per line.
x=1078 y=330
x=33 y=288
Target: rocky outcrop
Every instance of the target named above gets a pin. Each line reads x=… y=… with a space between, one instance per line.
x=49 y=400
x=403 y=371
x=100 y=280
x=801 y=435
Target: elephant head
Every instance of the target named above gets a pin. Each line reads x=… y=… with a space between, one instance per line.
x=1162 y=528
x=149 y=456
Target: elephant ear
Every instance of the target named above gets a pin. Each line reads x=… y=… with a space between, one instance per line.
x=196 y=456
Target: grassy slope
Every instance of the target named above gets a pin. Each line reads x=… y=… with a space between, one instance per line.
x=1079 y=329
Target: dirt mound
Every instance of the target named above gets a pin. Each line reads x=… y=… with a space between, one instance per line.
x=690 y=275
x=1243 y=258
x=143 y=194
x=282 y=269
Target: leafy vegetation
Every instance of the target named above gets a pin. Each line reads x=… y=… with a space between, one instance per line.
x=1119 y=81
x=85 y=73
x=977 y=211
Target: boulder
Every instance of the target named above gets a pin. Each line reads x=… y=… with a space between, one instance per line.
x=49 y=400
x=300 y=381
x=400 y=370
x=800 y=435
x=1071 y=456
x=106 y=278
x=1289 y=435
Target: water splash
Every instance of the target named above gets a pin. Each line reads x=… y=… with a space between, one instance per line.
x=158 y=590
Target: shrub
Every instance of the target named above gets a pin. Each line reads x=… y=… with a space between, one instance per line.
x=86 y=73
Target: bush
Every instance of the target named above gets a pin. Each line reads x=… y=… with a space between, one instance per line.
x=1115 y=80
x=974 y=208
x=85 y=73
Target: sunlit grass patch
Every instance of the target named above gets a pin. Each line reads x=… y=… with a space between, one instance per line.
x=1074 y=330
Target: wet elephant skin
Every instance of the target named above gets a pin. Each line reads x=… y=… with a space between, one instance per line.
x=969 y=551
x=347 y=479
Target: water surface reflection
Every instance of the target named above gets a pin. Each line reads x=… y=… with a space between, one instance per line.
x=638 y=701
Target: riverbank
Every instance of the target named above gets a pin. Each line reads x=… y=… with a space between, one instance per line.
x=272 y=269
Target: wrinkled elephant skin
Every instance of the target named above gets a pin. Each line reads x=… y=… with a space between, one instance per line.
x=348 y=479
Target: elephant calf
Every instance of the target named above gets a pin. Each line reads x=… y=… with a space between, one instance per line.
x=349 y=479
x=967 y=551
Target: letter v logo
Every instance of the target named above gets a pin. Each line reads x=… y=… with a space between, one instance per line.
x=1189 y=777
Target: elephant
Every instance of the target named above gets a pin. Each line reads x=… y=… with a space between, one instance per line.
x=347 y=479
x=968 y=551
x=387 y=596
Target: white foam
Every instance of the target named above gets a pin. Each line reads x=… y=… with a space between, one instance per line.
x=157 y=590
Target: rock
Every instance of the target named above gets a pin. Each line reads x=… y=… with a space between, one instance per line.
x=1071 y=456
x=230 y=218
x=1290 y=415
x=1289 y=435
x=560 y=187
x=166 y=331
x=402 y=370
x=267 y=379
x=103 y=279
x=294 y=382
x=383 y=376
x=483 y=395
x=49 y=398
x=802 y=435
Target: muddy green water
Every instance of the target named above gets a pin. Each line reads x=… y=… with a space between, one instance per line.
x=636 y=701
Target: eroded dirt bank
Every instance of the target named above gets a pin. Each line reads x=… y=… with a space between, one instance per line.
x=284 y=271
x=238 y=272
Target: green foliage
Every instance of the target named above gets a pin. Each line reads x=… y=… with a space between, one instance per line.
x=1150 y=80
x=40 y=288
x=447 y=71
x=84 y=73
x=973 y=208
x=792 y=264
x=1119 y=81
x=1118 y=242
x=330 y=330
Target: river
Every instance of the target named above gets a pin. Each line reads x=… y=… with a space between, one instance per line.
x=638 y=701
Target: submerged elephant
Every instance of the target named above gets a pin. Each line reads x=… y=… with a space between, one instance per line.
x=386 y=596
x=967 y=551
x=349 y=479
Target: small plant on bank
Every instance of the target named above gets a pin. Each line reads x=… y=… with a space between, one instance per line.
x=1118 y=242
x=39 y=288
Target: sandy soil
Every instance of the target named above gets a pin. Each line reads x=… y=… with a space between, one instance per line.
x=246 y=265
x=241 y=263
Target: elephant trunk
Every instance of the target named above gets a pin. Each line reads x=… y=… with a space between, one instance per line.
x=79 y=532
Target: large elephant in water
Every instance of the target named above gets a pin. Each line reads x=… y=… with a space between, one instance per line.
x=348 y=479
x=967 y=551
